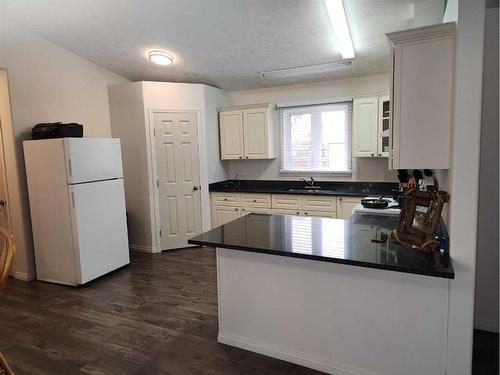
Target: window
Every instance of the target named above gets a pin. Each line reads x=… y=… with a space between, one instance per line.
x=316 y=138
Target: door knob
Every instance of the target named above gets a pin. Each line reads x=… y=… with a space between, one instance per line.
x=195 y=187
x=3 y=203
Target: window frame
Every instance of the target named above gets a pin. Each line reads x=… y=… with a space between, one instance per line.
x=348 y=172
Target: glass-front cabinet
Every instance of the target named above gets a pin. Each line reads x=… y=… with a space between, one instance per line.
x=383 y=125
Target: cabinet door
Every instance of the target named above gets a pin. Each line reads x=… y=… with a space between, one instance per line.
x=286 y=201
x=255 y=134
x=319 y=203
x=231 y=135
x=383 y=126
x=224 y=214
x=422 y=98
x=345 y=207
x=365 y=127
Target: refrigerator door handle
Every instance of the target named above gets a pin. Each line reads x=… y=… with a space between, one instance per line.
x=73 y=199
x=69 y=167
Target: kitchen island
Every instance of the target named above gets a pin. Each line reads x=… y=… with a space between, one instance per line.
x=318 y=292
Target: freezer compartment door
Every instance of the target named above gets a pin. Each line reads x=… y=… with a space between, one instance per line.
x=99 y=228
x=92 y=159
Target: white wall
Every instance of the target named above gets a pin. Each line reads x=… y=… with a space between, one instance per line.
x=364 y=169
x=127 y=107
x=217 y=169
x=486 y=303
x=464 y=176
x=131 y=105
x=428 y=12
x=48 y=83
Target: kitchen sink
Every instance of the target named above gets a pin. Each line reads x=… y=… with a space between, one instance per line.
x=310 y=191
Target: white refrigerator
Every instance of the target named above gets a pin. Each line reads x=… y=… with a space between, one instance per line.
x=77 y=205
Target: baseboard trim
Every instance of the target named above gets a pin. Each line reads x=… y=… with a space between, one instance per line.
x=299 y=358
x=23 y=276
x=142 y=249
x=486 y=325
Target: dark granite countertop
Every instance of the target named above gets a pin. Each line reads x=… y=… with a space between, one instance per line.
x=338 y=188
x=328 y=240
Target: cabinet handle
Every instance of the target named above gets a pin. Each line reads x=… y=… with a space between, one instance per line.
x=247 y=157
x=225 y=199
x=379 y=154
x=298 y=212
x=373 y=154
x=239 y=157
x=340 y=199
x=236 y=209
x=255 y=201
x=305 y=213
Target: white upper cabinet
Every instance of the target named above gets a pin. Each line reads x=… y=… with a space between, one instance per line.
x=369 y=126
x=421 y=97
x=231 y=135
x=247 y=133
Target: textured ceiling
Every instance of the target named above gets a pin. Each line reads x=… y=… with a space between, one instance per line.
x=225 y=43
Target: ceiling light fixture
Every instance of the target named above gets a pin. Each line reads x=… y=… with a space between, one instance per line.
x=306 y=70
x=338 y=20
x=161 y=57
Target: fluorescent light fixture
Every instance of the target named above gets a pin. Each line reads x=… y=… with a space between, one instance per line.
x=161 y=57
x=340 y=27
x=306 y=70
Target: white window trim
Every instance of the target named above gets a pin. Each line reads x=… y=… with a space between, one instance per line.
x=318 y=172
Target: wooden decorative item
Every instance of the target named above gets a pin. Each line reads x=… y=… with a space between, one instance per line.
x=418 y=227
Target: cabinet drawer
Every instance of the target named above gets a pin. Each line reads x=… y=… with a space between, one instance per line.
x=256 y=200
x=255 y=210
x=317 y=203
x=275 y=211
x=226 y=199
x=287 y=201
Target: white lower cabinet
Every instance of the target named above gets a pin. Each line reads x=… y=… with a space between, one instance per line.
x=345 y=205
x=230 y=206
x=286 y=201
x=224 y=214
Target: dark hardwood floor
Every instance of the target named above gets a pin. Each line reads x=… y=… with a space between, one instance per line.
x=156 y=316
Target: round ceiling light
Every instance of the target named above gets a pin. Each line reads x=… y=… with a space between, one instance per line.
x=161 y=57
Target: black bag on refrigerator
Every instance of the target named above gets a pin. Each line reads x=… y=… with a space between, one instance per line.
x=56 y=130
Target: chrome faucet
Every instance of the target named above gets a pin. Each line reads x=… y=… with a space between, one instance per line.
x=309 y=183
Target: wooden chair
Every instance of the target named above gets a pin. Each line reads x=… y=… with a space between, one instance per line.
x=6 y=259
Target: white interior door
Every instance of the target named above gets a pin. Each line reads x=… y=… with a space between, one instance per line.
x=99 y=228
x=178 y=173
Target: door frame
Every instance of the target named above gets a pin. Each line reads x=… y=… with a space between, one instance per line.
x=8 y=158
x=153 y=171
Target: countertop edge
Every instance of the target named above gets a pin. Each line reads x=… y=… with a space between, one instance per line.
x=326 y=260
x=264 y=191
